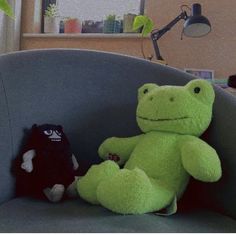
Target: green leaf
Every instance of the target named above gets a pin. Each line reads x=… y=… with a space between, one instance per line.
x=148 y=27
x=6 y=8
x=143 y=22
x=139 y=21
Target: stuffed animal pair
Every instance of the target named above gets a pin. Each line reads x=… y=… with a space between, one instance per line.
x=46 y=168
x=159 y=162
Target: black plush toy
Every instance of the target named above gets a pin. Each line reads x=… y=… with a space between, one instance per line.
x=46 y=167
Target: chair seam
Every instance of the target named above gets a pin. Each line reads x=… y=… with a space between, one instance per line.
x=9 y=116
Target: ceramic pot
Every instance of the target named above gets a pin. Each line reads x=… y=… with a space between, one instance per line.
x=90 y=26
x=51 y=24
x=128 y=23
x=72 y=26
x=112 y=26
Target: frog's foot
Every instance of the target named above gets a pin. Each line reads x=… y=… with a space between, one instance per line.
x=133 y=192
x=87 y=185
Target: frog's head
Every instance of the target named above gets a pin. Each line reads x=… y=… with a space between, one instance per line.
x=183 y=110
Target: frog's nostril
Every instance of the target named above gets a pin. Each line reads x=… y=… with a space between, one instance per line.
x=172 y=99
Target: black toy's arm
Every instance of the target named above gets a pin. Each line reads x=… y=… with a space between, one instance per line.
x=27 y=163
x=75 y=162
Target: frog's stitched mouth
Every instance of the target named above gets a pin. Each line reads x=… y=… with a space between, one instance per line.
x=163 y=119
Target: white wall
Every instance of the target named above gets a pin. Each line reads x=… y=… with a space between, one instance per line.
x=97 y=9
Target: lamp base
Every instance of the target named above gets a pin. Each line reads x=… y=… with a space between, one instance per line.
x=161 y=62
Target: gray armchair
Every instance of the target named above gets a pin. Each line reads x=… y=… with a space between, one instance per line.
x=93 y=95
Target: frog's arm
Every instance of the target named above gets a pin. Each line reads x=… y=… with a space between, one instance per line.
x=120 y=147
x=200 y=160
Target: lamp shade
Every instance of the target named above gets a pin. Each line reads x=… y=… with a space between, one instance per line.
x=196 y=25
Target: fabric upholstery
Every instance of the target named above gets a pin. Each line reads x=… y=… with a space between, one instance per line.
x=93 y=96
x=88 y=92
x=28 y=215
x=222 y=136
x=6 y=154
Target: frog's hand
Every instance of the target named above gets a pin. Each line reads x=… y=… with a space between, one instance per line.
x=118 y=149
x=200 y=160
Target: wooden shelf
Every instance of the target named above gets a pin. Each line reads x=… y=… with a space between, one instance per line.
x=83 y=35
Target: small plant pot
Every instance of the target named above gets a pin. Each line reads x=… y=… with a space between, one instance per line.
x=51 y=24
x=72 y=26
x=117 y=27
x=128 y=23
x=112 y=26
x=90 y=26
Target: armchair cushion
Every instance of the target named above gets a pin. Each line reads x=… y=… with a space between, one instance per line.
x=30 y=215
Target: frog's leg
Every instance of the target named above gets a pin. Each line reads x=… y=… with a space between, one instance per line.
x=87 y=185
x=133 y=192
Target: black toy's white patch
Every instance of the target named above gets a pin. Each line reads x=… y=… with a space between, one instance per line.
x=52 y=139
x=53 y=135
x=58 y=132
x=48 y=132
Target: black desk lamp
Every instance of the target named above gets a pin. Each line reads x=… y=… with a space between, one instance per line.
x=196 y=25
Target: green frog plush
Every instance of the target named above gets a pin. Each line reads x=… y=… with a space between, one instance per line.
x=159 y=162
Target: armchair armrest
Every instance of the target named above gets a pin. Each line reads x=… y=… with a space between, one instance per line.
x=222 y=136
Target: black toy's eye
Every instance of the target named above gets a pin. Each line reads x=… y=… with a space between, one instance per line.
x=58 y=132
x=197 y=90
x=47 y=132
x=145 y=91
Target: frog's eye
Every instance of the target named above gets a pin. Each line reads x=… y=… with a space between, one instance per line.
x=201 y=90
x=47 y=132
x=145 y=89
x=197 y=90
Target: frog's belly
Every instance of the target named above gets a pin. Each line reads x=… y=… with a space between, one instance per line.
x=159 y=156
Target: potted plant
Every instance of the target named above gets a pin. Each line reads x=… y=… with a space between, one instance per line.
x=51 y=19
x=6 y=8
x=146 y=25
x=72 y=25
x=128 y=23
x=111 y=25
x=90 y=26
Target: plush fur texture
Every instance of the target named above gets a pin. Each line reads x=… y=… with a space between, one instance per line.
x=159 y=162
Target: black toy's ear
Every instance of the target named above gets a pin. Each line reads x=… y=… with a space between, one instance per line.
x=145 y=89
x=34 y=133
x=201 y=90
x=59 y=127
x=34 y=127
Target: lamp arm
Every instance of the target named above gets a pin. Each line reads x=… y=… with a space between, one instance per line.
x=156 y=34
